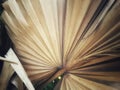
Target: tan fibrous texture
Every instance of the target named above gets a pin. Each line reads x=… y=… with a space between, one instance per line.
x=5 y=75
x=73 y=38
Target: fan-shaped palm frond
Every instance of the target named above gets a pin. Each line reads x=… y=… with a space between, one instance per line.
x=78 y=39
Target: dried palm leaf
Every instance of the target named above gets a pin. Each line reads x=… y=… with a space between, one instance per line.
x=68 y=38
